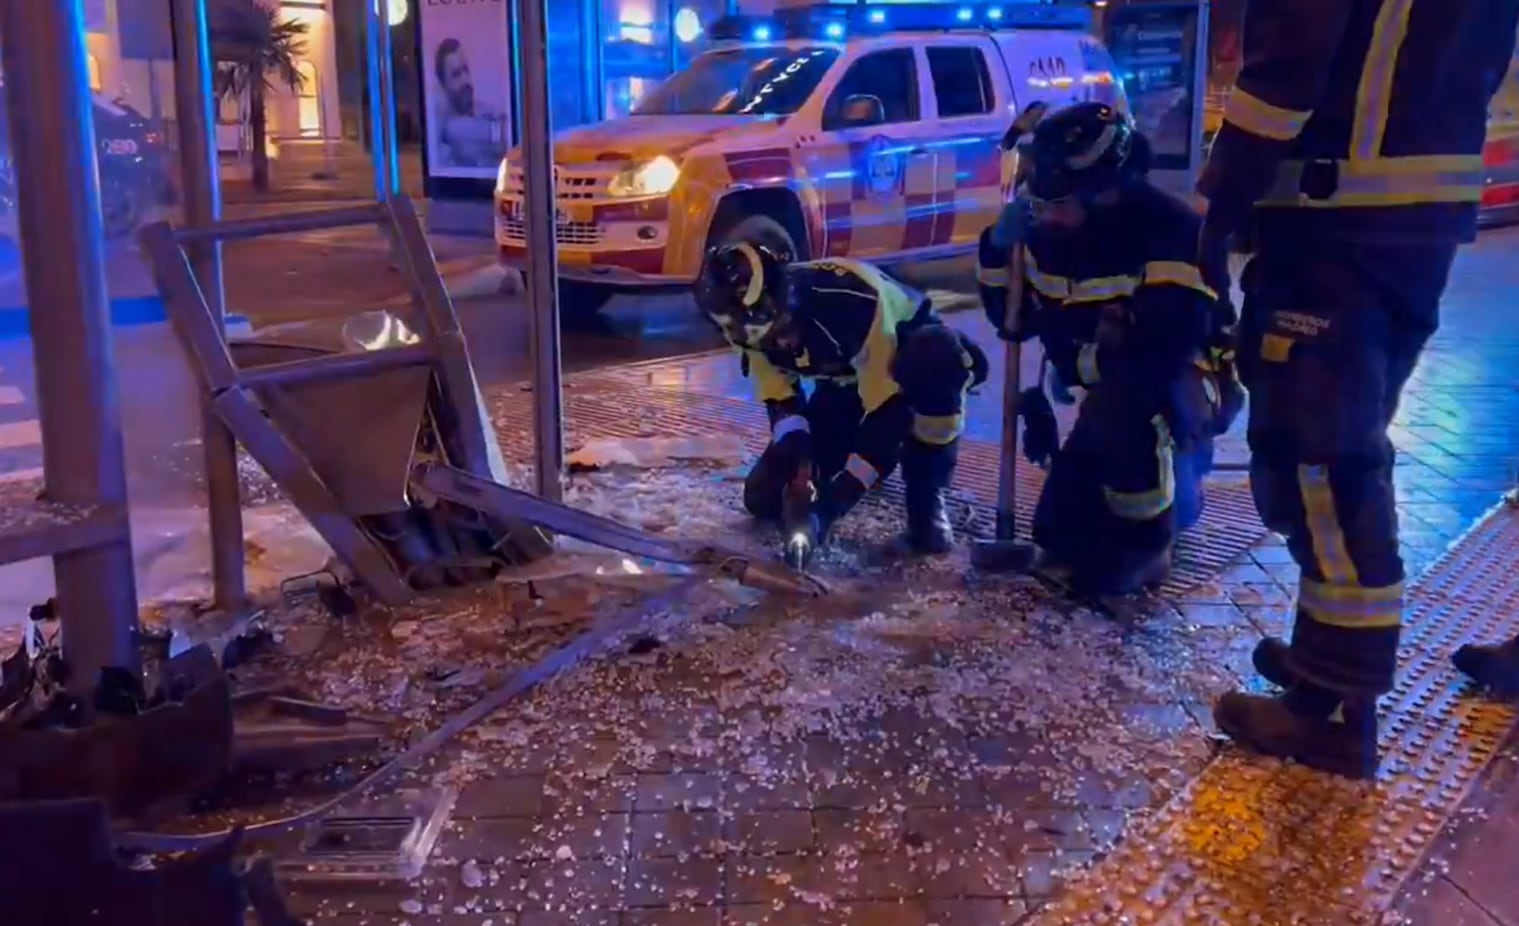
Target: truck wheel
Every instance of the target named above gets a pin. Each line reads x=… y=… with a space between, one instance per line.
x=759 y=229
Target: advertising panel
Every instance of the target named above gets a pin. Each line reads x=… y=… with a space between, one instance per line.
x=1156 y=49
x=466 y=80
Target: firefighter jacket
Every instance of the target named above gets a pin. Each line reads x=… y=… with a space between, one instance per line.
x=1121 y=303
x=1360 y=119
x=850 y=318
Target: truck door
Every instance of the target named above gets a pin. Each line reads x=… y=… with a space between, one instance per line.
x=1160 y=51
x=873 y=118
x=969 y=111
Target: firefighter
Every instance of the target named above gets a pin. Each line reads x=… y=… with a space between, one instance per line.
x=1113 y=291
x=1351 y=155
x=888 y=383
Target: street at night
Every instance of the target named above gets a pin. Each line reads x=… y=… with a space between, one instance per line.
x=1048 y=463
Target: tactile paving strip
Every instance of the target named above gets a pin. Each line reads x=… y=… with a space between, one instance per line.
x=598 y=406
x=1254 y=841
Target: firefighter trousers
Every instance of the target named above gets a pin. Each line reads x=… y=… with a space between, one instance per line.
x=1107 y=509
x=1330 y=333
x=934 y=369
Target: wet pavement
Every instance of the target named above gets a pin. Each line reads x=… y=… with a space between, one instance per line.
x=928 y=748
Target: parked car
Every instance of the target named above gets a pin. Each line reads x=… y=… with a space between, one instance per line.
x=134 y=163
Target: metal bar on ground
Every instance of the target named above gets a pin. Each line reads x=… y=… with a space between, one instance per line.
x=285 y=224
x=336 y=366
x=58 y=215
x=542 y=285
x=194 y=101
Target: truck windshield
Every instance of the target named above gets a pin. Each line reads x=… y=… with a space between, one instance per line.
x=760 y=81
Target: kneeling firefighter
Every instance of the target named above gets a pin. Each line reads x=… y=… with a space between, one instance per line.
x=887 y=377
x=1112 y=289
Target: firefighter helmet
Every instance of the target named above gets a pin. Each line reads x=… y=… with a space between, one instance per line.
x=1082 y=151
x=743 y=290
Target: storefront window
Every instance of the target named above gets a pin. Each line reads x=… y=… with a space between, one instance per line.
x=571 y=100
x=645 y=42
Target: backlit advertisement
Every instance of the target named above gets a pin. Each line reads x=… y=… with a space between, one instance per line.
x=1155 y=48
x=466 y=65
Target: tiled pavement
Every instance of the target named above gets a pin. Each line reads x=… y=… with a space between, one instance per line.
x=931 y=752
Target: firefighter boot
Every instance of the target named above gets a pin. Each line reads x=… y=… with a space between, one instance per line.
x=1494 y=666
x=1273 y=662
x=926 y=471
x=1314 y=726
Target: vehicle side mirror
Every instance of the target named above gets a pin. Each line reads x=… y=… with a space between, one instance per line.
x=1024 y=124
x=862 y=109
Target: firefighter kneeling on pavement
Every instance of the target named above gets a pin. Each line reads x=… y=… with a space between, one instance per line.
x=1112 y=289
x=888 y=383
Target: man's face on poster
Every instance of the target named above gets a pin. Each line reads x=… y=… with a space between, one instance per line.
x=458 y=84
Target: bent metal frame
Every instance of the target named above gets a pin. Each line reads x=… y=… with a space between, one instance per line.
x=370 y=445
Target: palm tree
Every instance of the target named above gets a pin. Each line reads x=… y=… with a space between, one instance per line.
x=254 y=49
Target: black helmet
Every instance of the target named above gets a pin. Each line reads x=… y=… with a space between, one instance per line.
x=1082 y=151
x=743 y=290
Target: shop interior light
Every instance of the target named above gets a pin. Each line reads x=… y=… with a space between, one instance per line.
x=834 y=31
x=994 y=13
x=762 y=33
x=964 y=14
x=687 y=25
x=876 y=17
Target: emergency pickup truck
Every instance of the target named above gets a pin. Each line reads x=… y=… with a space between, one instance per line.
x=832 y=131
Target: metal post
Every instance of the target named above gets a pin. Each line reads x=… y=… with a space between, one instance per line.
x=194 y=103
x=381 y=107
x=58 y=212
x=538 y=216
x=388 y=101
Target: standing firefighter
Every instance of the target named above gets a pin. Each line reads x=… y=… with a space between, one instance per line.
x=1113 y=291
x=888 y=383
x=1351 y=154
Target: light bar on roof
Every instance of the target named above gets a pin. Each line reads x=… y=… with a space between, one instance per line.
x=835 y=22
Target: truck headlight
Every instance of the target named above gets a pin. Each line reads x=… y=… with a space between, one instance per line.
x=502 y=172
x=654 y=178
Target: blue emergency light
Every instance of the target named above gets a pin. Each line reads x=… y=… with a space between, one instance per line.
x=834 y=22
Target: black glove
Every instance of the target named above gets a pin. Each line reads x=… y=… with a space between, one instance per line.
x=1041 y=432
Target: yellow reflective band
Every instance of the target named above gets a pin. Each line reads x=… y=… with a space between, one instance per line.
x=788 y=425
x=992 y=276
x=1046 y=284
x=1176 y=273
x=858 y=467
x=1373 y=97
x=1151 y=503
x=1352 y=607
x=1256 y=116
x=770 y=384
x=756 y=285
x=1329 y=551
x=938 y=429
x=1086 y=365
x=1401 y=181
x=1102 y=289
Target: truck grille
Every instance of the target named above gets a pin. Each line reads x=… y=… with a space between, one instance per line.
x=578 y=234
x=575 y=186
